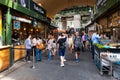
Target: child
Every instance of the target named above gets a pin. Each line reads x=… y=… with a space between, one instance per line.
x=54 y=48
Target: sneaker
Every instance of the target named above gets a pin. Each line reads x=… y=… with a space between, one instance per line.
x=62 y=65
x=65 y=60
x=29 y=61
x=77 y=60
x=39 y=60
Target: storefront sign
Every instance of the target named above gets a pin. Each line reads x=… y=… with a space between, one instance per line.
x=23 y=3
x=21 y=19
x=37 y=8
x=35 y=23
x=101 y=2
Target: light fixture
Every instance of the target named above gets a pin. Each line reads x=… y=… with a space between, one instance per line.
x=113 y=29
x=90 y=10
x=39 y=4
x=37 y=30
x=24 y=29
x=31 y=29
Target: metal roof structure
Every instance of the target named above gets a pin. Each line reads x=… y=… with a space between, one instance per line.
x=54 y=6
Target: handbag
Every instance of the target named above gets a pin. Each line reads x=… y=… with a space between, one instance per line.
x=41 y=46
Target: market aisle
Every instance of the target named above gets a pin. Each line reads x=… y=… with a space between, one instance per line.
x=50 y=70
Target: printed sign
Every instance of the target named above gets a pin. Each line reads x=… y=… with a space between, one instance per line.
x=16 y=24
x=35 y=7
x=23 y=3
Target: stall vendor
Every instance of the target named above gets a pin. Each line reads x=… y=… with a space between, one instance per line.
x=95 y=40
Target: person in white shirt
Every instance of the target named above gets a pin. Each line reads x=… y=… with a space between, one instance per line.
x=54 y=49
x=49 y=47
x=34 y=42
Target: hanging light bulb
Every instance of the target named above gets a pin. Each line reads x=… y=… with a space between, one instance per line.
x=90 y=10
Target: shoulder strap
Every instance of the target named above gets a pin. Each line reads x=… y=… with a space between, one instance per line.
x=74 y=38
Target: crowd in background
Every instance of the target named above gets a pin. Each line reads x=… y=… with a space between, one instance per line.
x=76 y=42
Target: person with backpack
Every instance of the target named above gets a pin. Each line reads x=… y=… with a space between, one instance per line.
x=76 y=46
x=61 y=48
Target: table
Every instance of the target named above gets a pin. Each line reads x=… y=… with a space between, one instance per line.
x=111 y=58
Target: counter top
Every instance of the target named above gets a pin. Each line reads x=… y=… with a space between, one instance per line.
x=2 y=47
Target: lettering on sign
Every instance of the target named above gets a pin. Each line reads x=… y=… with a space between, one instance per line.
x=38 y=9
x=101 y=2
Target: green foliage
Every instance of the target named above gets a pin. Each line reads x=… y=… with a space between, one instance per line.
x=99 y=45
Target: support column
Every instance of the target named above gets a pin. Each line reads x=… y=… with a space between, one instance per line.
x=9 y=34
x=64 y=23
x=77 y=22
x=45 y=32
x=8 y=27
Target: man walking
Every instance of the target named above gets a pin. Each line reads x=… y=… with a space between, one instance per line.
x=77 y=44
x=28 y=47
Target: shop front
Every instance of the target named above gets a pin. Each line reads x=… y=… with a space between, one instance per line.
x=16 y=22
x=107 y=24
x=22 y=25
x=4 y=49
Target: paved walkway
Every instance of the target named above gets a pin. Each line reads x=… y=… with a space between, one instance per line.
x=50 y=70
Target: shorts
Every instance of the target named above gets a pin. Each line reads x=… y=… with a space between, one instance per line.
x=61 y=51
x=76 y=49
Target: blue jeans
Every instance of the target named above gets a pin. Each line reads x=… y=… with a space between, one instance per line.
x=27 y=57
x=92 y=49
x=38 y=54
x=49 y=54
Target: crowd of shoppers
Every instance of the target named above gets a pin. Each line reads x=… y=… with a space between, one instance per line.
x=74 y=42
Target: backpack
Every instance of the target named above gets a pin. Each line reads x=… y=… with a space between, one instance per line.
x=77 y=42
x=62 y=42
x=86 y=37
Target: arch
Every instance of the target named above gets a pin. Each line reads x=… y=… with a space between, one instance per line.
x=54 y=6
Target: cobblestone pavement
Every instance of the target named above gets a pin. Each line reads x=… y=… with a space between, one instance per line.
x=50 y=70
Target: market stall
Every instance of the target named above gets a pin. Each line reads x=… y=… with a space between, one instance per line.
x=109 y=62
x=19 y=52
x=4 y=57
x=105 y=46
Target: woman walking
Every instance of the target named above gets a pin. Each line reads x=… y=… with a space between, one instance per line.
x=38 y=51
x=49 y=47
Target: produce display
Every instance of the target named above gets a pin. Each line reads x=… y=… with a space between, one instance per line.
x=107 y=44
